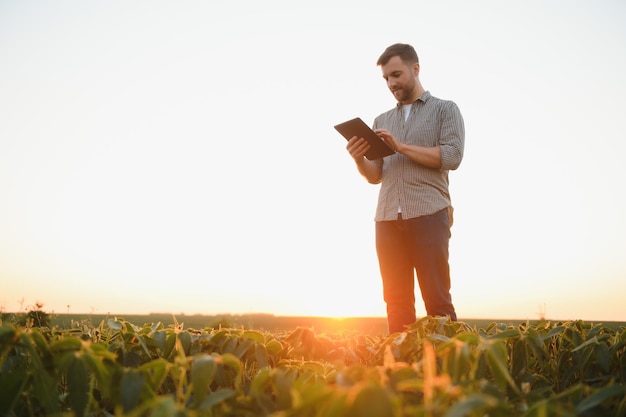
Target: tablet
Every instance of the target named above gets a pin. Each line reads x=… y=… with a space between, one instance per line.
x=357 y=127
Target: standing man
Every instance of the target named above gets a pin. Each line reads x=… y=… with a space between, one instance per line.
x=414 y=211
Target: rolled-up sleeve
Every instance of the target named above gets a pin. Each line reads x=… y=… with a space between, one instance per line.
x=452 y=140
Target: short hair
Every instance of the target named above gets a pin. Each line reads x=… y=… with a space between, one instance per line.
x=405 y=51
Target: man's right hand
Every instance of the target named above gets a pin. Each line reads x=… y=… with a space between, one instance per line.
x=371 y=170
x=357 y=147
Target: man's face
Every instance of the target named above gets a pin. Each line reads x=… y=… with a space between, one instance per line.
x=400 y=79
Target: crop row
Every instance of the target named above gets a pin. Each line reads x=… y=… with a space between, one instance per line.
x=435 y=368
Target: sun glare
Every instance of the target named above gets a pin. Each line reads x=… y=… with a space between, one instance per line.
x=340 y=307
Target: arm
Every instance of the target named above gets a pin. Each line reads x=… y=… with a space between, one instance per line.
x=429 y=157
x=372 y=171
x=447 y=154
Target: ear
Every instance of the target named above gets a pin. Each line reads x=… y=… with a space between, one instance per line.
x=416 y=69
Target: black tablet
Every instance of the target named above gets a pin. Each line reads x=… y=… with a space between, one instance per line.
x=357 y=127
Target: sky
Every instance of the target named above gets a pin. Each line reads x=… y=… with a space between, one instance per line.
x=180 y=157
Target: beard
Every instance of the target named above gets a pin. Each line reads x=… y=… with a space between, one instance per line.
x=405 y=92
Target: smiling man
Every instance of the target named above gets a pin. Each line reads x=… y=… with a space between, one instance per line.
x=414 y=212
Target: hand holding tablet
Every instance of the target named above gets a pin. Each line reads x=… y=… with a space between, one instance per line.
x=357 y=127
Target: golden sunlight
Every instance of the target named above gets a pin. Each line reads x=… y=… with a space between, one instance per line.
x=339 y=306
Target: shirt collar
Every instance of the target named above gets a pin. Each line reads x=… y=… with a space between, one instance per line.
x=424 y=98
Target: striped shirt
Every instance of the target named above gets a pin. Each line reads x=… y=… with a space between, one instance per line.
x=413 y=189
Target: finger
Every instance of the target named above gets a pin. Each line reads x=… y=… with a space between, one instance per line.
x=359 y=148
x=355 y=142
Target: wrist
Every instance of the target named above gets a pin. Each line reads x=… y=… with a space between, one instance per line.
x=360 y=161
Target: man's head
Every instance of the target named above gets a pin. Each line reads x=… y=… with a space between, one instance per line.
x=400 y=67
x=406 y=53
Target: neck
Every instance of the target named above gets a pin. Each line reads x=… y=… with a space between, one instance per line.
x=417 y=93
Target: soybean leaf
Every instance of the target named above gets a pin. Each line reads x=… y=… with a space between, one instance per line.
x=369 y=400
x=274 y=346
x=185 y=342
x=12 y=383
x=314 y=367
x=66 y=344
x=475 y=404
x=592 y=341
x=243 y=348
x=599 y=397
x=261 y=356
x=166 y=407
x=217 y=397
x=506 y=334
x=159 y=339
x=468 y=338
x=169 y=352
x=253 y=335
x=555 y=331
x=260 y=382
x=156 y=370
x=8 y=335
x=497 y=360
x=438 y=338
x=203 y=371
x=231 y=361
x=78 y=386
x=115 y=324
x=519 y=357
x=602 y=356
x=131 y=386
x=142 y=342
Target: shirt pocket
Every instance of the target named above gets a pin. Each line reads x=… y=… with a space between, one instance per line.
x=425 y=133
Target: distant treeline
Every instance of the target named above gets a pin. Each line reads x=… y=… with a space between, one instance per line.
x=265 y=322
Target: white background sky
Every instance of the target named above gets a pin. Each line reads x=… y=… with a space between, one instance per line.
x=180 y=156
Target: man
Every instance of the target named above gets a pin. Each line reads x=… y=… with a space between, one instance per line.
x=414 y=211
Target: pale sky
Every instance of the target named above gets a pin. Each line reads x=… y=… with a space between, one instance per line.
x=180 y=156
